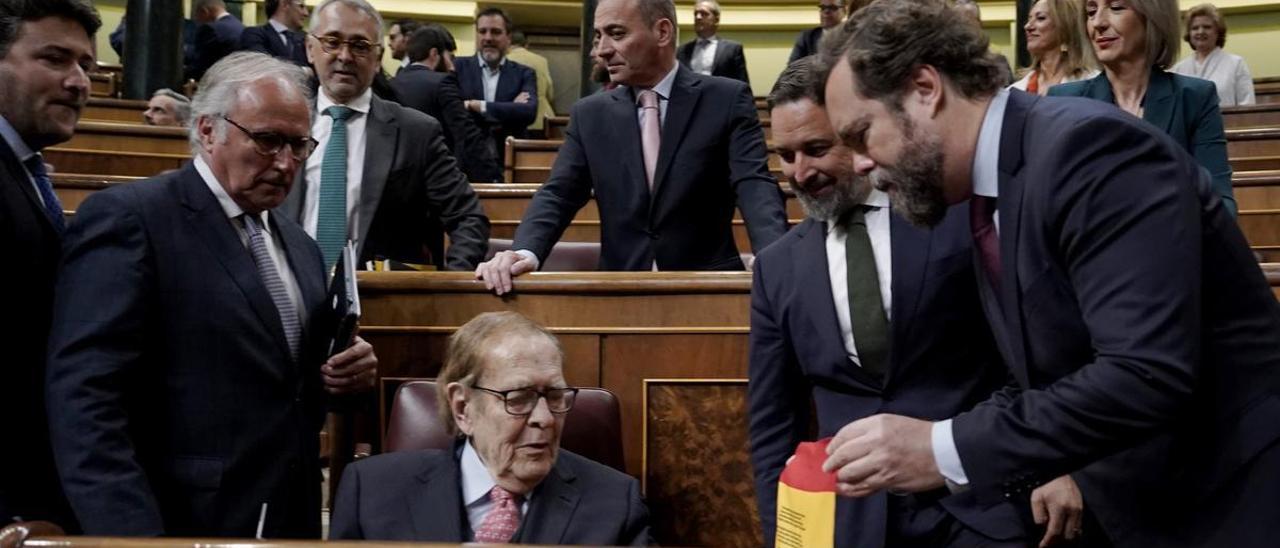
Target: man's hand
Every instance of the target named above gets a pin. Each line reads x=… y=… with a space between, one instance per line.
x=883 y=452
x=498 y=271
x=522 y=98
x=473 y=105
x=1060 y=504
x=352 y=370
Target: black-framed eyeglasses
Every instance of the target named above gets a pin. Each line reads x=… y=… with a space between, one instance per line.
x=521 y=401
x=269 y=143
x=359 y=47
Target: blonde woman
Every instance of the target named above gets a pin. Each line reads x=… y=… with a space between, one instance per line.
x=1207 y=33
x=1056 y=42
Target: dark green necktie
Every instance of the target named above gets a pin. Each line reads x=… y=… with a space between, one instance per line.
x=866 y=309
x=331 y=215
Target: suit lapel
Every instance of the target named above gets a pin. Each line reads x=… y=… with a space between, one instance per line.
x=626 y=132
x=18 y=175
x=684 y=97
x=1157 y=107
x=911 y=249
x=1009 y=204
x=207 y=219
x=435 y=507
x=552 y=507
x=380 y=145
x=811 y=271
x=722 y=57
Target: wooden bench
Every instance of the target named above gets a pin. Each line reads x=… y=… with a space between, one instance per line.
x=1253 y=142
x=129 y=137
x=104 y=84
x=1267 y=90
x=106 y=109
x=132 y=164
x=1251 y=116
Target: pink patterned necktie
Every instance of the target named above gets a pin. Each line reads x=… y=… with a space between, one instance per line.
x=650 y=132
x=503 y=520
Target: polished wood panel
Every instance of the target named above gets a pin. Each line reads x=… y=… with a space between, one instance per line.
x=123 y=137
x=105 y=109
x=1253 y=142
x=1251 y=116
x=104 y=84
x=698 y=477
x=73 y=188
x=132 y=164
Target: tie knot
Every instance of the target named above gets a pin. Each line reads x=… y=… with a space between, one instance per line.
x=252 y=225
x=35 y=165
x=499 y=495
x=339 y=113
x=648 y=98
x=857 y=215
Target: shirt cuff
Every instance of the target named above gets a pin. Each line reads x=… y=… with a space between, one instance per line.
x=484 y=107
x=946 y=455
x=529 y=255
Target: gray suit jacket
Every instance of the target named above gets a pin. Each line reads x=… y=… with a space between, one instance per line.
x=412 y=191
x=417 y=496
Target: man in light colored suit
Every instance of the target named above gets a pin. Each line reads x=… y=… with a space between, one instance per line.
x=502 y=392
x=542 y=71
x=382 y=174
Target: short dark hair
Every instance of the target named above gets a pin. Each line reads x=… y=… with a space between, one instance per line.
x=518 y=38
x=272 y=6
x=428 y=37
x=13 y=13
x=506 y=19
x=407 y=26
x=795 y=84
x=890 y=39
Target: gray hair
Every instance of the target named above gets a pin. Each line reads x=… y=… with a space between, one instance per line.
x=181 y=107
x=221 y=86
x=653 y=10
x=359 y=5
x=715 y=6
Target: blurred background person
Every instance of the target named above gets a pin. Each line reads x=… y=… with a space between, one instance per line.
x=1056 y=42
x=830 y=14
x=167 y=108
x=282 y=34
x=1207 y=33
x=1135 y=41
x=398 y=41
x=708 y=53
x=520 y=53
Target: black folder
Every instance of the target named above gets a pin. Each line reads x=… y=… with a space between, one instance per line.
x=342 y=311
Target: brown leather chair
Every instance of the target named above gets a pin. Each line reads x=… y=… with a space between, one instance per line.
x=592 y=429
x=564 y=256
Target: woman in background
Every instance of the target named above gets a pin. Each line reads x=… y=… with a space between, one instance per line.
x=1207 y=32
x=1056 y=42
x=1135 y=41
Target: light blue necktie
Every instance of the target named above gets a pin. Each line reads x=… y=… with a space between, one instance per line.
x=331 y=220
x=52 y=207
x=275 y=286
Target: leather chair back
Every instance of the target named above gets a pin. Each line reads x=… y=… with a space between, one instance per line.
x=592 y=429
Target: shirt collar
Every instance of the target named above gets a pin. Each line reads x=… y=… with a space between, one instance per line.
x=278 y=26
x=359 y=104
x=476 y=481
x=986 y=156
x=229 y=206
x=15 y=142
x=663 y=87
x=875 y=198
x=711 y=39
x=485 y=66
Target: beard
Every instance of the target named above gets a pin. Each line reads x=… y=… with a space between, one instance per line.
x=916 y=181
x=847 y=191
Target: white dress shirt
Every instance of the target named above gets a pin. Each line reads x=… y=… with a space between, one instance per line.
x=489 y=77
x=663 y=88
x=837 y=266
x=1227 y=71
x=276 y=250
x=986 y=182
x=280 y=29
x=22 y=151
x=357 y=137
x=476 y=484
x=704 y=55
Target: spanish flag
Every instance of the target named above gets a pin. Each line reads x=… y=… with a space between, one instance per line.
x=807 y=499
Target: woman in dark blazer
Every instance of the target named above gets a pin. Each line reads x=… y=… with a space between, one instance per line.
x=1135 y=42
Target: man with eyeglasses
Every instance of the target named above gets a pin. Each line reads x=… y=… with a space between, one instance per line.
x=187 y=391
x=382 y=174
x=502 y=393
x=830 y=14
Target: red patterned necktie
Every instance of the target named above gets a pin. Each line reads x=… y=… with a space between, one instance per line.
x=504 y=518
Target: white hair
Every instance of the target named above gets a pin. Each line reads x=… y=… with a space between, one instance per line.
x=222 y=84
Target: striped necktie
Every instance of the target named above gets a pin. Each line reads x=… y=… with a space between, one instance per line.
x=331 y=218
x=52 y=207
x=274 y=284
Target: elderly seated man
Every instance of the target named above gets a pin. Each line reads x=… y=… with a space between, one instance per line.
x=502 y=392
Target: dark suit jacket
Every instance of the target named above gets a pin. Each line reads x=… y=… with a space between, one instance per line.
x=28 y=481
x=806 y=44
x=1140 y=330
x=503 y=117
x=175 y=407
x=712 y=151
x=942 y=362
x=1186 y=108
x=214 y=41
x=437 y=95
x=412 y=189
x=417 y=496
x=729 y=61
x=265 y=39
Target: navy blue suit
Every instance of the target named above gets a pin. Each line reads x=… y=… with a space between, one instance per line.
x=265 y=39
x=1143 y=337
x=942 y=362
x=175 y=407
x=712 y=152
x=214 y=41
x=502 y=117
x=806 y=44
x=436 y=94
